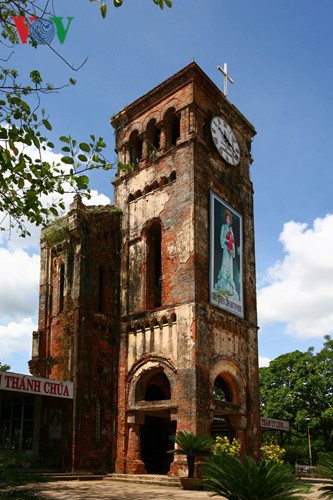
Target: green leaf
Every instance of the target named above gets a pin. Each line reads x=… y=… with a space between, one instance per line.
x=65 y=139
x=35 y=140
x=82 y=182
x=47 y=124
x=117 y=3
x=36 y=77
x=54 y=211
x=68 y=160
x=82 y=158
x=85 y=147
x=3 y=133
x=103 y=8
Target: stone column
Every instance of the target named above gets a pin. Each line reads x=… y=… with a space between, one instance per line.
x=163 y=137
x=192 y=120
x=145 y=148
x=179 y=465
x=238 y=424
x=127 y=154
x=134 y=462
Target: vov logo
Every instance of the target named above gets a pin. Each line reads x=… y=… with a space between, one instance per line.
x=40 y=30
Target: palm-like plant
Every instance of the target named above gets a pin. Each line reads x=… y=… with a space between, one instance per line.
x=325 y=469
x=296 y=454
x=234 y=479
x=192 y=445
x=12 y=475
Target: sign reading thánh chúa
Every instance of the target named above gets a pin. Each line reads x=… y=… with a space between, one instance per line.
x=274 y=424
x=35 y=385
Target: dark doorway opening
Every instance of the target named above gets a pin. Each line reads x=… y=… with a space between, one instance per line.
x=220 y=426
x=155 y=444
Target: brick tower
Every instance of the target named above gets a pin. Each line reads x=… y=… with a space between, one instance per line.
x=149 y=305
x=188 y=344
x=78 y=334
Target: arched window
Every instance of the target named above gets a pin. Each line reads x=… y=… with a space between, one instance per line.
x=135 y=148
x=173 y=176
x=153 y=136
x=61 y=287
x=221 y=391
x=154 y=386
x=154 y=266
x=172 y=121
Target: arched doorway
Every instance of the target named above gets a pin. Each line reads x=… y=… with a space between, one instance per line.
x=155 y=443
x=222 y=396
x=154 y=393
x=229 y=399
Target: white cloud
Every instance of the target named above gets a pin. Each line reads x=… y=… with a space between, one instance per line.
x=263 y=361
x=16 y=337
x=12 y=239
x=19 y=277
x=299 y=289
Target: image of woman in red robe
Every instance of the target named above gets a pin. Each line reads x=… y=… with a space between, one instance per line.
x=225 y=280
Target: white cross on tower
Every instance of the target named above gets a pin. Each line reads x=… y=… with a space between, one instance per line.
x=224 y=71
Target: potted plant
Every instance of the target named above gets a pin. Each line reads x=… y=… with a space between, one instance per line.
x=192 y=445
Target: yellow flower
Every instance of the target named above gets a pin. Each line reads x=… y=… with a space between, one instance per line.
x=273 y=452
x=223 y=445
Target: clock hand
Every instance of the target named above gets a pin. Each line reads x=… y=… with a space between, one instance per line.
x=228 y=142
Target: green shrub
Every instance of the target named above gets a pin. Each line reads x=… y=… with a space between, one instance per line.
x=192 y=445
x=234 y=479
x=13 y=474
x=296 y=454
x=325 y=469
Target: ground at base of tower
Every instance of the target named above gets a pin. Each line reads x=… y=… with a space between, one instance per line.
x=117 y=490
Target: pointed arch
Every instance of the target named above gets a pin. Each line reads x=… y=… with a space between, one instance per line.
x=229 y=378
x=153 y=277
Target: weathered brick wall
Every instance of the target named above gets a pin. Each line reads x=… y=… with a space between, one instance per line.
x=107 y=345
x=80 y=341
x=223 y=339
x=207 y=339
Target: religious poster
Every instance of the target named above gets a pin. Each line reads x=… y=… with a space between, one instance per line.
x=226 y=252
x=55 y=424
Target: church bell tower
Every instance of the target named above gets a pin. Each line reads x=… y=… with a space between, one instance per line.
x=188 y=343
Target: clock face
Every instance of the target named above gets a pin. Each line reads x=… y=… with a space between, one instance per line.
x=225 y=140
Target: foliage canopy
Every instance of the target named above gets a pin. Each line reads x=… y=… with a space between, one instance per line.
x=26 y=176
x=298 y=387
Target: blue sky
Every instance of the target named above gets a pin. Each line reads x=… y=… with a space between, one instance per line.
x=279 y=53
